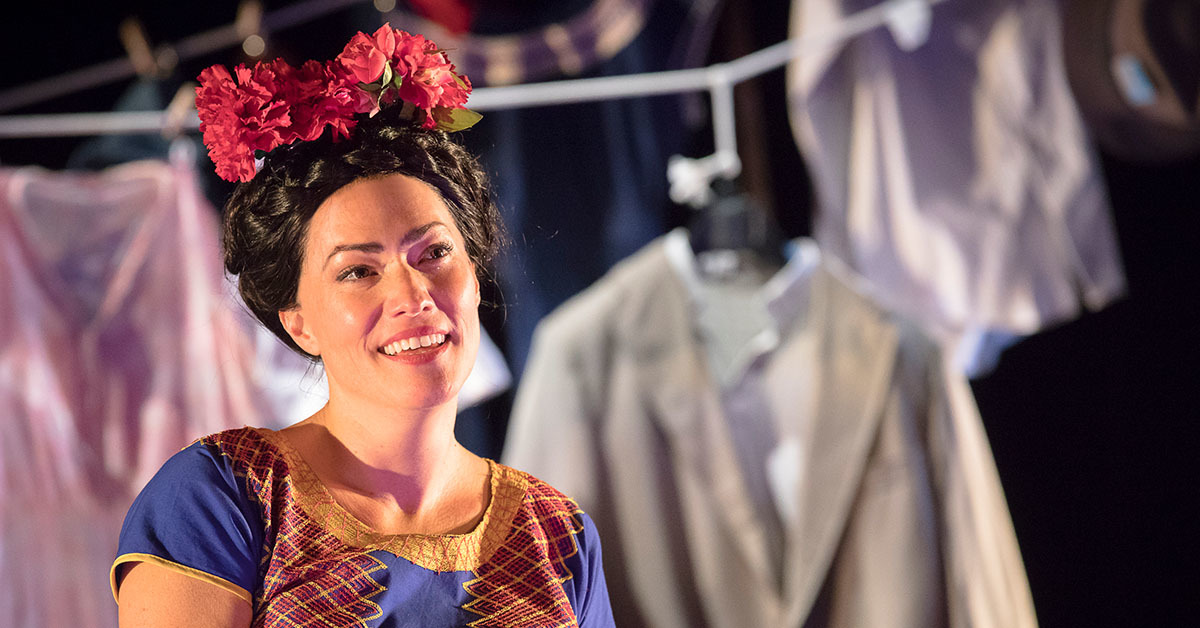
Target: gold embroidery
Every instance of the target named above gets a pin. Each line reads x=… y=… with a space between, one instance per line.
x=522 y=586
x=436 y=552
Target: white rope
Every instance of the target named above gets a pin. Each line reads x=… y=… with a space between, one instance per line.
x=717 y=79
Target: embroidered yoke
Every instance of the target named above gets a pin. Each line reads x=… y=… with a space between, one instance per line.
x=242 y=510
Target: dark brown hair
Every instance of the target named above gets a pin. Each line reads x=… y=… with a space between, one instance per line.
x=266 y=219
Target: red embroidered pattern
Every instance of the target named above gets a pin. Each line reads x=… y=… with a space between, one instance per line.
x=317 y=568
x=311 y=578
x=521 y=584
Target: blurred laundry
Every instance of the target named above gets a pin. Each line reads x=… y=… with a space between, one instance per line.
x=957 y=177
x=833 y=472
x=116 y=350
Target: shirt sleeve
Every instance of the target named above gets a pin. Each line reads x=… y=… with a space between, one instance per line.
x=195 y=517
x=593 y=609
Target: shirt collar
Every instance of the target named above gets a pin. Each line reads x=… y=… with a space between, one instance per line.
x=786 y=294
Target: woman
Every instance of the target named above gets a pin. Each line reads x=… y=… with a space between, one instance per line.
x=363 y=253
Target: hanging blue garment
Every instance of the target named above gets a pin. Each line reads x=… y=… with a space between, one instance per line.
x=580 y=186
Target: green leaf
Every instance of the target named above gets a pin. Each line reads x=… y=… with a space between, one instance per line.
x=387 y=75
x=457 y=119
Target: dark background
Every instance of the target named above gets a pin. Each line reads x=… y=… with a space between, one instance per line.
x=1091 y=423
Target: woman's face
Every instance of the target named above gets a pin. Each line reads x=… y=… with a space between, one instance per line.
x=388 y=297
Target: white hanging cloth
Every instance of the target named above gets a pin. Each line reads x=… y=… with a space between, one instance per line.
x=956 y=177
x=116 y=350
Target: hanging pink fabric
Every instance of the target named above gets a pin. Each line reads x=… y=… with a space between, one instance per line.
x=118 y=347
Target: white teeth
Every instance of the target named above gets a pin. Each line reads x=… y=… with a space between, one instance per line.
x=408 y=344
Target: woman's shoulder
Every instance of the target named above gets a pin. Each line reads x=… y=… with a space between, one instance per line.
x=568 y=542
x=541 y=506
x=199 y=500
x=239 y=439
x=244 y=448
x=217 y=458
x=534 y=493
x=226 y=459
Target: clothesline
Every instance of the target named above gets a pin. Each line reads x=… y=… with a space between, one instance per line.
x=907 y=19
x=197 y=45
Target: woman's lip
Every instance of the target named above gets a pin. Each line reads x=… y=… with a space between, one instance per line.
x=419 y=356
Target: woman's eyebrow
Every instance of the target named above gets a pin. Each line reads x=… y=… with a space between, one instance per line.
x=366 y=247
x=375 y=247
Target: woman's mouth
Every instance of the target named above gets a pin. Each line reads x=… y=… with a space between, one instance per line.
x=414 y=344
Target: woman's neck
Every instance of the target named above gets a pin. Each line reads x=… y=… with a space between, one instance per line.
x=404 y=464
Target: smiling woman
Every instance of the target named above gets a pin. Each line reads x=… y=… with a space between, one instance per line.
x=386 y=267
x=364 y=254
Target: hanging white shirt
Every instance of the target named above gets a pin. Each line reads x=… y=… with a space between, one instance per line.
x=761 y=345
x=957 y=177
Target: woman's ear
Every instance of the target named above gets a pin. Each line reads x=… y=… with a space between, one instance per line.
x=478 y=293
x=293 y=323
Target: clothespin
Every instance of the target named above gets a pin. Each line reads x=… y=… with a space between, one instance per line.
x=147 y=62
x=137 y=47
x=248 y=26
x=909 y=22
x=181 y=107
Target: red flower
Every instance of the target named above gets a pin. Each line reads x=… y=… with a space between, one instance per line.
x=274 y=104
x=410 y=52
x=365 y=57
x=239 y=118
x=429 y=78
x=319 y=96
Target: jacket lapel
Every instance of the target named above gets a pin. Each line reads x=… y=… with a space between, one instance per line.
x=857 y=354
x=687 y=406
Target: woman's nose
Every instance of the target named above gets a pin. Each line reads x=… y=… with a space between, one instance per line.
x=407 y=292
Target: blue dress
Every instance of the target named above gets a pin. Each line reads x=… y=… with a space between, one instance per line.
x=241 y=510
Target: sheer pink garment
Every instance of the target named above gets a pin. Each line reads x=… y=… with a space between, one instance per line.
x=118 y=347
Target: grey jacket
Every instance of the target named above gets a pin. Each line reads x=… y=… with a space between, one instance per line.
x=903 y=522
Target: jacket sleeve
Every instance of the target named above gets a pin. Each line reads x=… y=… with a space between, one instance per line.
x=986 y=582
x=550 y=434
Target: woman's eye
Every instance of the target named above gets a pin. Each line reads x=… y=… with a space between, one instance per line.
x=438 y=251
x=353 y=272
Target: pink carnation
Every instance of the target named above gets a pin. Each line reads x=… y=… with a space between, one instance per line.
x=319 y=96
x=274 y=103
x=365 y=57
x=435 y=85
x=429 y=78
x=410 y=51
x=239 y=118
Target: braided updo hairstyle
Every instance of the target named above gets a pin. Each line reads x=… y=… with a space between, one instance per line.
x=266 y=219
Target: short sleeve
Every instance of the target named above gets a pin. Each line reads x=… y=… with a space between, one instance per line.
x=593 y=609
x=195 y=517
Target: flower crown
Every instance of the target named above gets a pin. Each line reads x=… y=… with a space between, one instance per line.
x=273 y=103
